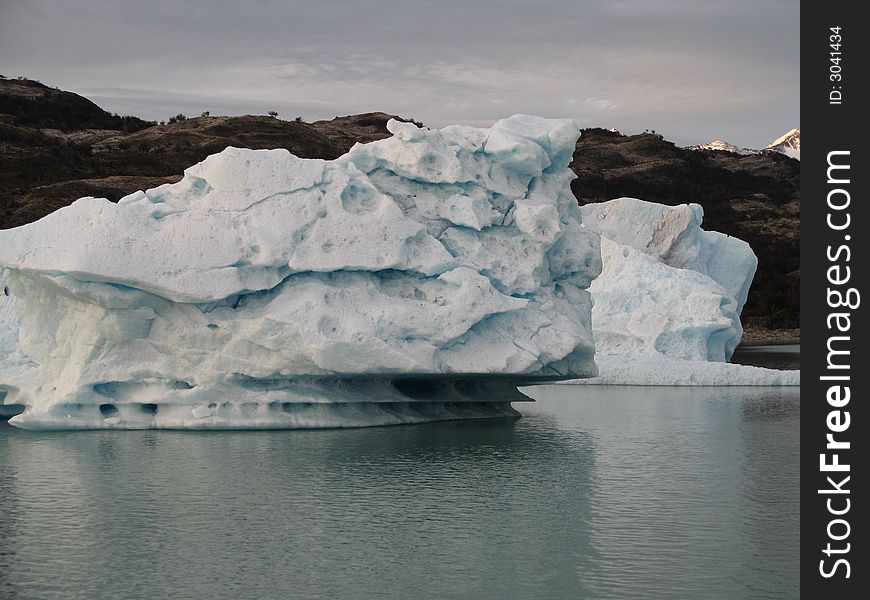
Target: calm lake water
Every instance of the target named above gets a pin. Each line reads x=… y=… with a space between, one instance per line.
x=597 y=492
x=785 y=356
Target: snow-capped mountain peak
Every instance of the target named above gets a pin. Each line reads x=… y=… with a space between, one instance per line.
x=788 y=143
x=719 y=145
x=723 y=146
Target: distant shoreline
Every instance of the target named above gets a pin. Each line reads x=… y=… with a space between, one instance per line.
x=757 y=336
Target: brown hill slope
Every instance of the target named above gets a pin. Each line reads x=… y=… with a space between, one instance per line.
x=36 y=105
x=51 y=154
x=45 y=167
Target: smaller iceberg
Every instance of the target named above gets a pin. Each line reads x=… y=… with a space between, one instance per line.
x=669 y=297
x=667 y=287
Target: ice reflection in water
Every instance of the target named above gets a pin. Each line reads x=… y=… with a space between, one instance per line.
x=595 y=493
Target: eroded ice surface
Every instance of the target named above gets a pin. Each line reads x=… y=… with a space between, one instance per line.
x=10 y=325
x=432 y=253
x=10 y=322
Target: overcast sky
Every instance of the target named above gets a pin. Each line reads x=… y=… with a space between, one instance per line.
x=693 y=70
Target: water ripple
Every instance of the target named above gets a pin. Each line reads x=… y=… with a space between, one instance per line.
x=595 y=493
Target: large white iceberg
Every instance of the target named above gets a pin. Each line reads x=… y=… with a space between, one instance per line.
x=265 y=290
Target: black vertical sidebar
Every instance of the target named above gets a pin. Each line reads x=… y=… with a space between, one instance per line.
x=835 y=226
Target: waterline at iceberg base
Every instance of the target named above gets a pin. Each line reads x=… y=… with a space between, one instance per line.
x=417 y=278
x=293 y=404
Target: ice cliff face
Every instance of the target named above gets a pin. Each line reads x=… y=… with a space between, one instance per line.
x=234 y=297
x=668 y=288
x=10 y=322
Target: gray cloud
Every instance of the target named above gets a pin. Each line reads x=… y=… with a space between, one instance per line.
x=691 y=69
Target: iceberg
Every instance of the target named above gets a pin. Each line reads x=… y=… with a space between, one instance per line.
x=667 y=288
x=668 y=301
x=416 y=278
